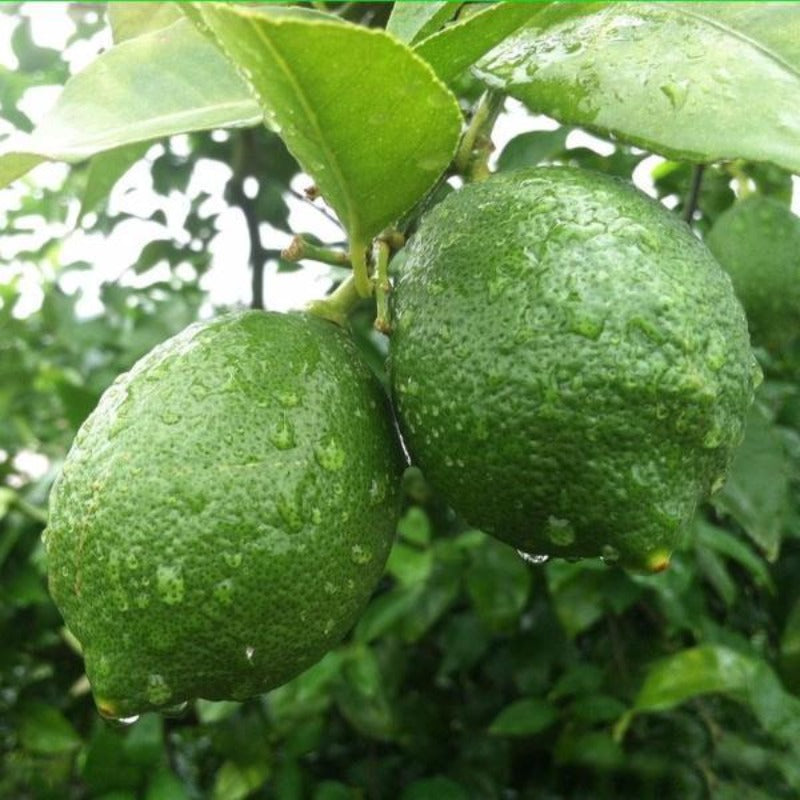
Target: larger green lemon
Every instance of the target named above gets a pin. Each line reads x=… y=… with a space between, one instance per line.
x=224 y=513
x=758 y=243
x=570 y=365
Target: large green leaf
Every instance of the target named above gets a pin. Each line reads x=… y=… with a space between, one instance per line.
x=524 y=718
x=458 y=46
x=364 y=116
x=714 y=668
x=756 y=493
x=694 y=81
x=165 y=82
x=129 y=20
x=410 y=22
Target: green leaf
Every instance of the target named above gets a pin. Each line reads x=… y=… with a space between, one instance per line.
x=384 y=612
x=105 y=170
x=129 y=20
x=583 y=593
x=410 y=22
x=359 y=130
x=165 y=82
x=45 y=730
x=165 y=786
x=756 y=493
x=698 y=82
x=409 y=565
x=458 y=46
x=235 y=781
x=498 y=583
x=714 y=668
x=531 y=148
x=727 y=544
x=361 y=695
x=524 y=718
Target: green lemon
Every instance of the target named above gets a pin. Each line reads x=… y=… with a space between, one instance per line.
x=224 y=513
x=570 y=365
x=758 y=242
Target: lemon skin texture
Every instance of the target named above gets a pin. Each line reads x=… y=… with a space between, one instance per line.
x=570 y=365
x=757 y=241
x=225 y=512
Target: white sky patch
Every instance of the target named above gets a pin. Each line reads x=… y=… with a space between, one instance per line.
x=228 y=280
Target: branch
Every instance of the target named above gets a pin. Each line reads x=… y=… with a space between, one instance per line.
x=244 y=155
x=694 y=193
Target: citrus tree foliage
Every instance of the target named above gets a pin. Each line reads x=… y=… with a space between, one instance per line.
x=472 y=673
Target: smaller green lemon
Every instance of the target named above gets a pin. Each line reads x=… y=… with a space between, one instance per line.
x=757 y=241
x=224 y=513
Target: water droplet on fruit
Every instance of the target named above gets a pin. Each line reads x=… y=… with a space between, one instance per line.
x=169 y=584
x=359 y=555
x=330 y=456
x=282 y=435
x=559 y=531
x=158 y=692
x=531 y=558
x=288 y=399
x=118 y=722
x=223 y=592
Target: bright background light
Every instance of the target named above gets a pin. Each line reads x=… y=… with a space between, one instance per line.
x=227 y=282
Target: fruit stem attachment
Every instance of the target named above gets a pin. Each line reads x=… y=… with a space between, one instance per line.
x=472 y=157
x=381 y=252
x=338 y=304
x=300 y=248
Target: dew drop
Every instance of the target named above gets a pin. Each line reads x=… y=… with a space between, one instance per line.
x=532 y=558
x=282 y=435
x=158 y=692
x=359 y=555
x=559 y=531
x=118 y=722
x=330 y=456
x=169 y=584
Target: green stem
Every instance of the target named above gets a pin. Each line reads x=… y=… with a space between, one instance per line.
x=300 y=248
x=358 y=258
x=472 y=157
x=338 y=304
x=382 y=286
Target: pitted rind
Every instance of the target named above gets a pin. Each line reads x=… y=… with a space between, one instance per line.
x=225 y=512
x=567 y=357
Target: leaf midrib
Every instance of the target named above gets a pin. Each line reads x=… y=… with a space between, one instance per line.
x=311 y=116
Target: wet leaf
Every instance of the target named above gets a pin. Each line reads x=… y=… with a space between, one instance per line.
x=357 y=129
x=698 y=82
x=165 y=82
x=458 y=46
